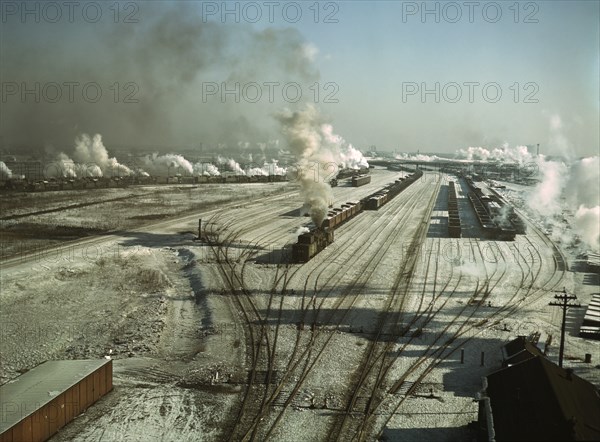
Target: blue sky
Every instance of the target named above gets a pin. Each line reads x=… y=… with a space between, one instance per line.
x=371 y=52
x=371 y=55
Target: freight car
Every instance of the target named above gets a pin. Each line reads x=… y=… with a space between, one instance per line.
x=516 y=221
x=377 y=200
x=382 y=197
x=454 y=229
x=311 y=243
x=361 y=180
x=495 y=218
x=338 y=216
x=347 y=173
x=490 y=228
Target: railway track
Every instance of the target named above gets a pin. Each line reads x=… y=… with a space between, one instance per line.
x=423 y=318
x=361 y=434
x=394 y=310
x=275 y=393
x=249 y=309
x=505 y=311
x=378 y=366
x=369 y=269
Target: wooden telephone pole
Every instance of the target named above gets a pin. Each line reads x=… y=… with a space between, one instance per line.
x=563 y=300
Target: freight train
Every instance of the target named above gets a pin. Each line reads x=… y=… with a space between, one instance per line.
x=314 y=241
x=454 y=229
x=498 y=220
x=311 y=243
x=382 y=197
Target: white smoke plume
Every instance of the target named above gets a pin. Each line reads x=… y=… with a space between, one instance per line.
x=300 y=230
x=233 y=165
x=557 y=141
x=65 y=167
x=586 y=225
x=346 y=155
x=275 y=169
x=503 y=216
x=91 y=152
x=256 y=171
x=5 y=172
x=206 y=169
x=582 y=194
x=316 y=149
x=91 y=160
x=545 y=196
x=418 y=157
x=272 y=168
x=169 y=164
x=573 y=187
x=506 y=154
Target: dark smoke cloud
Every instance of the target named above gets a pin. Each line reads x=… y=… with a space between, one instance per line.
x=167 y=55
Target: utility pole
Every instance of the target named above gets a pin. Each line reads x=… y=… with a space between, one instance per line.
x=563 y=301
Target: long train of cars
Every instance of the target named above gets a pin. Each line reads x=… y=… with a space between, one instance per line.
x=57 y=184
x=314 y=241
x=454 y=229
x=382 y=197
x=498 y=219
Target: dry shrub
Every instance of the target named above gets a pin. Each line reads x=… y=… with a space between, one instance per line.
x=152 y=279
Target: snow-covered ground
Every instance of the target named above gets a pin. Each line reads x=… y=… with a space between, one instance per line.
x=393 y=293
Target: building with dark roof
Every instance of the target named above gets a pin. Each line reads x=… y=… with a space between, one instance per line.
x=537 y=400
x=519 y=350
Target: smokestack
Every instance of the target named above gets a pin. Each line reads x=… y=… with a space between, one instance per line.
x=538 y=149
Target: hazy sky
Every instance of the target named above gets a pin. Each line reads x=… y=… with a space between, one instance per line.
x=161 y=69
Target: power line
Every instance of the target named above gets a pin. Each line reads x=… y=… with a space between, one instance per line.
x=564 y=302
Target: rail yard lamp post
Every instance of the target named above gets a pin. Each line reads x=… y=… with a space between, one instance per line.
x=563 y=300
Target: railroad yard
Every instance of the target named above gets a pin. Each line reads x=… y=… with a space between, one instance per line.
x=384 y=334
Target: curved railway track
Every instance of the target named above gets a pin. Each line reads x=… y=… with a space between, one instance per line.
x=254 y=342
x=509 y=308
x=377 y=376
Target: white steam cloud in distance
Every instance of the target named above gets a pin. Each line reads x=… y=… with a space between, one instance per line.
x=233 y=165
x=577 y=183
x=90 y=160
x=91 y=151
x=582 y=192
x=316 y=148
x=506 y=154
x=5 y=172
x=272 y=168
x=168 y=164
x=418 y=157
x=206 y=169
